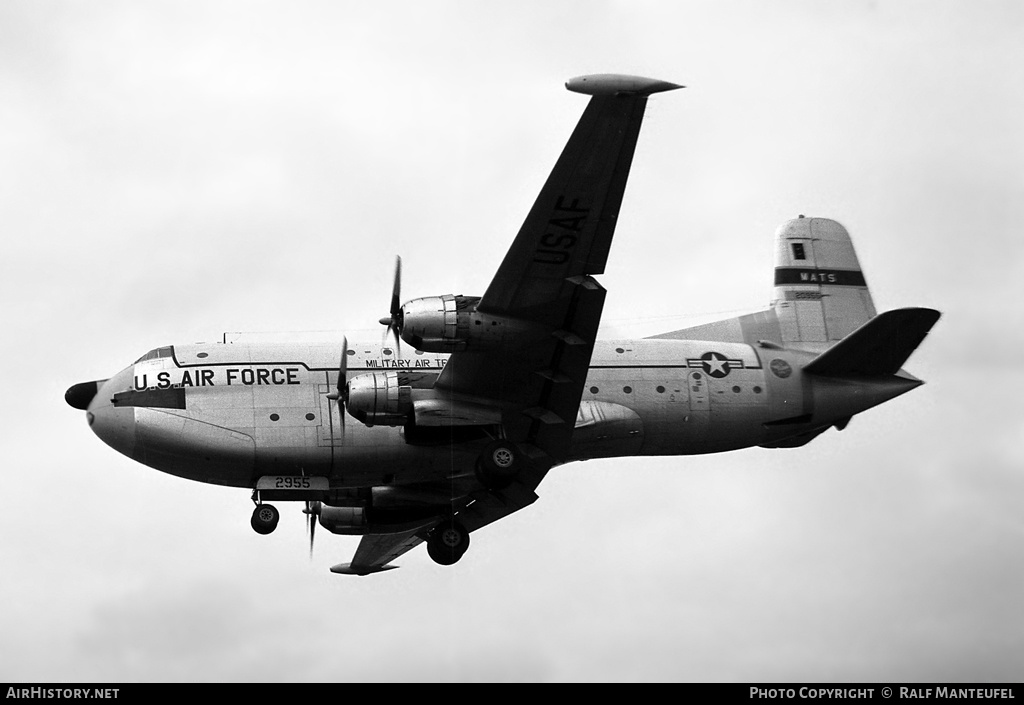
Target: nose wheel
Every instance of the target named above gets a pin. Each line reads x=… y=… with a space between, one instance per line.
x=265 y=518
x=447 y=542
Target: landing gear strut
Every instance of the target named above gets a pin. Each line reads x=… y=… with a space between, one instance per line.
x=265 y=518
x=447 y=542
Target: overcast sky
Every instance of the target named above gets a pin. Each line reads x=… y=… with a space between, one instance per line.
x=173 y=170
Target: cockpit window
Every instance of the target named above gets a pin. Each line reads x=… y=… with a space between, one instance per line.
x=167 y=351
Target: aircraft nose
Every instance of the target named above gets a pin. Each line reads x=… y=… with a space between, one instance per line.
x=81 y=395
x=115 y=426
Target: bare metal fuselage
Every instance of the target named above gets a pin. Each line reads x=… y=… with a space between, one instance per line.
x=231 y=413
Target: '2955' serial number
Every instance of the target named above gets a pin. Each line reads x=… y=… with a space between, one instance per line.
x=292 y=482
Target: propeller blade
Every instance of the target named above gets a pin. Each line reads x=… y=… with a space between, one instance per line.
x=394 y=321
x=398 y=342
x=396 y=291
x=312 y=510
x=343 y=382
x=343 y=370
x=341 y=395
x=392 y=330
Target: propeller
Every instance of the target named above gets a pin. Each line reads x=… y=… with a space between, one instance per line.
x=341 y=395
x=312 y=511
x=394 y=320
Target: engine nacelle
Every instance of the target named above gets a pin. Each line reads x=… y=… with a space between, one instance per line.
x=343 y=520
x=378 y=398
x=438 y=323
x=362 y=519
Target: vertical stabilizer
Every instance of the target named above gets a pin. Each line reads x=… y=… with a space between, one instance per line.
x=820 y=292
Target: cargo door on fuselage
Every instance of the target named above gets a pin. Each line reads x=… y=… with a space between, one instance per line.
x=700 y=406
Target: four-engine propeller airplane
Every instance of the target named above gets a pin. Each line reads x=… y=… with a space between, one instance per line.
x=458 y=428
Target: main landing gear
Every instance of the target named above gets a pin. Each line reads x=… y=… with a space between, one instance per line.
x=498 y=465
x=265 y=518
x=496 y=468
x=447 y=542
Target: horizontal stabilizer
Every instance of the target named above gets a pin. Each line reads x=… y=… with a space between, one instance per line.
x=879 y=347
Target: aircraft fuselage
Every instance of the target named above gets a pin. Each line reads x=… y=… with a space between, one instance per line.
x=229 y=414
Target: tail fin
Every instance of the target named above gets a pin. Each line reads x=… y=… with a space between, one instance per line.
x=879 y=347
x=820 y=292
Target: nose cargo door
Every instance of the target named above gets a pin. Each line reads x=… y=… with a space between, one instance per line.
x=194 y=449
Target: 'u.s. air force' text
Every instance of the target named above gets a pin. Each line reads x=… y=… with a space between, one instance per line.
x=229 y=376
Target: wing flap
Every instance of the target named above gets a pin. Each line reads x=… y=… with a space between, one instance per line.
x=536 y=380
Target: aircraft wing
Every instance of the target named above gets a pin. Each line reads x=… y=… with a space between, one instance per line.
x=376 y=551
x=549 y=305
x=544 y=292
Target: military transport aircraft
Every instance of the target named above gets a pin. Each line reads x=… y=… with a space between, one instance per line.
x=456 y=428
